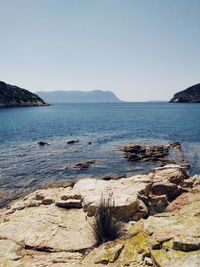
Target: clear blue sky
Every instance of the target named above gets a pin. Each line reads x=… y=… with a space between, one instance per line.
x=139 y=49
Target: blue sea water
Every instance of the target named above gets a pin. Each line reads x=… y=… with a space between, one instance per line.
x=24 y=165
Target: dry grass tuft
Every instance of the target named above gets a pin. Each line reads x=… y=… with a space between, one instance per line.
x=106 y=226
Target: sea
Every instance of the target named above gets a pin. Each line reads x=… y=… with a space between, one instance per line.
x=101 y=128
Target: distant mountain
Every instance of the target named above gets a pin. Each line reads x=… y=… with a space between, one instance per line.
x=13 y=96
x=189 y=95
x=95 y=96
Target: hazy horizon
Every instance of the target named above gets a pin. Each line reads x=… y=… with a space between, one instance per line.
x=140 y=50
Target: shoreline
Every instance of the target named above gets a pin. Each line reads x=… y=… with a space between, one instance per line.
x=58 y=219
x=71 y=171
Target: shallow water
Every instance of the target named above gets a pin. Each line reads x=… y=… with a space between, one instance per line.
x=25 y=165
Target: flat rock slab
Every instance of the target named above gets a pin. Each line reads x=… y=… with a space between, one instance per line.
x=48 y=228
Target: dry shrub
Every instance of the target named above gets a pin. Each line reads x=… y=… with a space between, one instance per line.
x=106 y=226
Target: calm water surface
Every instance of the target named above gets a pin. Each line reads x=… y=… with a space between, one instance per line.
x=24 y=165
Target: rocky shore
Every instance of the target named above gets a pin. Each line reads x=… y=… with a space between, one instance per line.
x=14 y=96
x=189 y=95
x=52 y=226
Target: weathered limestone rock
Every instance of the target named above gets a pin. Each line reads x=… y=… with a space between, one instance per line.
x=172 y=173
x=47 y=227
x=125 y=192
x=168 y=180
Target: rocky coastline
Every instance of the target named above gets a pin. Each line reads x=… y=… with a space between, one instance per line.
x=189 y=95
x=14 y=96
x=52 y=226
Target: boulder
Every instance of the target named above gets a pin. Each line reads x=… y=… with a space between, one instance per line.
x=169 y=180
x=172 y=173
x=126 y=195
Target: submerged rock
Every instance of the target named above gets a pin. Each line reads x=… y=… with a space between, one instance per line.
x=41 y=143
x=83 y=165
x=155 y=154
x=135 y=152
x=70 y=142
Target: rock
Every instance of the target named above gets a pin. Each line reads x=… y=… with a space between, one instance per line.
x=48 y=195
x=157 y=154
x=175 y=144
x=39 y=195
x=83 y=165
x=189 y=95
x=136 y=152
x=169 y=180
x=113 y=177
x=126 y=195
x=108 y=252
x=196 y=179
x=41 y=143
x=69 y=204
x=157 y=204
x=185 y=165
x=9 y=252
x=68 y=193
x=46 y=234
x=72 y=141
x=184 y=199
x=33 y=234
x=129 y=255
x=47 y=201
x=186 y=243
x=63 y=168
x=172 y=231
x=148 y=261
x=172 y=173
x=165 y=188
x=188 y=183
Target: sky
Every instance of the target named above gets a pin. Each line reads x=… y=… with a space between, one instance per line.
x=140 y=49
